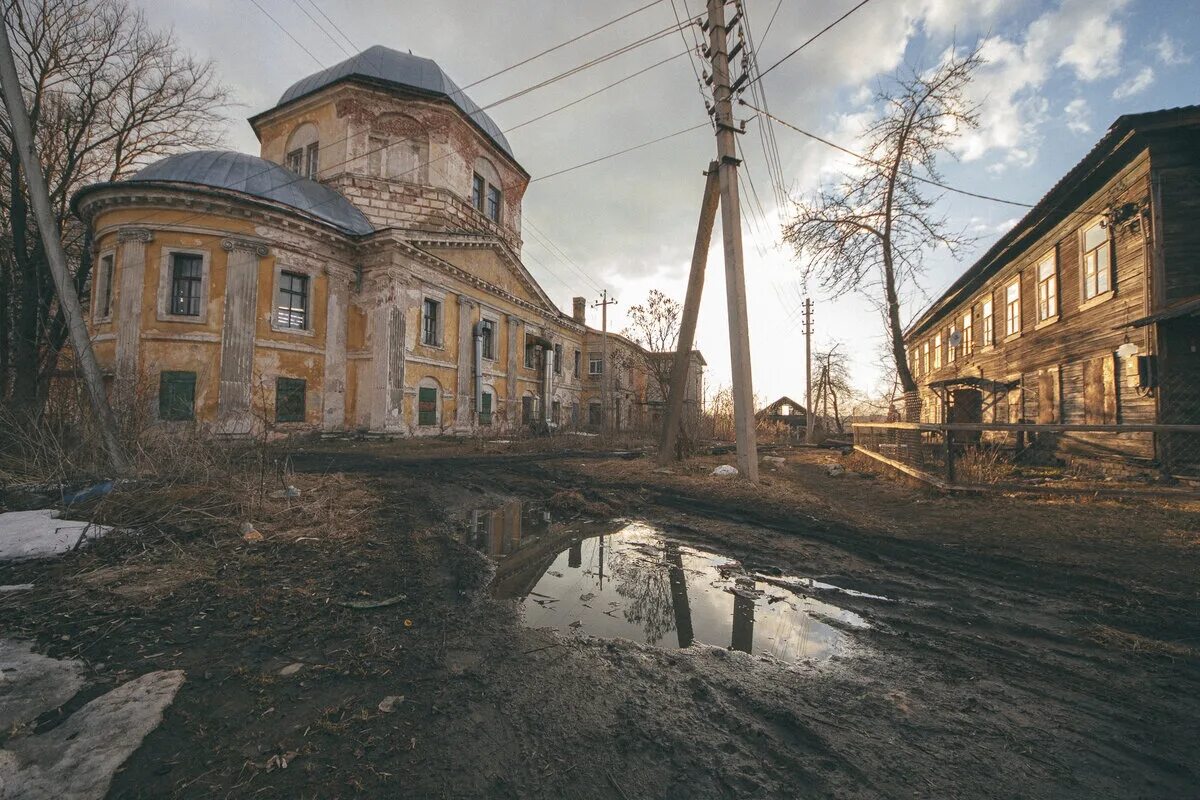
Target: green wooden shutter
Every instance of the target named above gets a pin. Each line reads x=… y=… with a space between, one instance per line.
x=289 y=399
x=176 y=395
x=426 y=406
x=485 y=409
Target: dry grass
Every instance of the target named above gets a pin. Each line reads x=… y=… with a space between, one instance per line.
x=1117 y=639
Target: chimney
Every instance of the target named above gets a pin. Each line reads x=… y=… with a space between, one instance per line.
x=580 y=310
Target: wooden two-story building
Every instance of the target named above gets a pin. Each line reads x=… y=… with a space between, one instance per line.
x=1088 y=310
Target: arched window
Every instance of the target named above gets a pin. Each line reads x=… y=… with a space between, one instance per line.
x=398 y=149
x=304 y=151
x=429 y=403
x=486 y=194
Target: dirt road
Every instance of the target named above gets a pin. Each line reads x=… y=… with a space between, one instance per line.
x=1026 y=649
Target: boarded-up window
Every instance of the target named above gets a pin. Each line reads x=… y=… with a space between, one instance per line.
x=1047 y=401
x=1100 y=391
x=427 y=406
x=485 y=408
x=527 y=410
x=176 y=395
x=289 y=400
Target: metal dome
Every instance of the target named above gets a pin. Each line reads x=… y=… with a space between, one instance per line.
x=390 y=66
x=239 y=172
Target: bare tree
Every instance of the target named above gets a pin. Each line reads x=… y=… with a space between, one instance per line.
x=106 y=94
x=654 y=326
x=870 y=232
x=834 y=386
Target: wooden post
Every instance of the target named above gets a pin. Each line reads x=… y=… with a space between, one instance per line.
x=948 y=435
x=39 y=197
x=731 y=231
x=673 y=420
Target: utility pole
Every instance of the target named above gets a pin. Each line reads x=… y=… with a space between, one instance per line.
x=731 y=229
x=605 y=373
x=39 y=196
x=808 y=398
x=687 y=326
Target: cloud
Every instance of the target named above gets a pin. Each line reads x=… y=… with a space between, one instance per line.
x=1078 y=116
x=1169 y=51
x=1138 y=83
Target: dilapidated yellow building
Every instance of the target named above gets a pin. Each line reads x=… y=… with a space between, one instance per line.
x=364 y=273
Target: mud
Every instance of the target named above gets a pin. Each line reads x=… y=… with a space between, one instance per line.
x=982 y=671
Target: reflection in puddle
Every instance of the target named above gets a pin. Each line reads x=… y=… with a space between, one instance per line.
x=626 y=579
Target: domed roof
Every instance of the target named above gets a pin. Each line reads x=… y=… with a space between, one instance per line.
x=390 y=66
x=239 y=172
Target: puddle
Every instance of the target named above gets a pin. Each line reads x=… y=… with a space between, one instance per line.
x=628 y=580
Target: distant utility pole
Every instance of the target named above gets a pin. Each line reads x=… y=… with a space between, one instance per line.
x=808 y=329
x=731 y=229
x=605 y=377
x=39 y=196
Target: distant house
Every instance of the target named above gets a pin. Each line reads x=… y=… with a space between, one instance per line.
x=787 y=411
x=1088 y=310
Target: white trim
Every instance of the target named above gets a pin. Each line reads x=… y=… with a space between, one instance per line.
x=111 y=284
x=164 y=283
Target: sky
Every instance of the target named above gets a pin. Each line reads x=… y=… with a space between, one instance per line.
x=1057 y=74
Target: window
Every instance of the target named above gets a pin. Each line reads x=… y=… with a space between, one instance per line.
x=925 y=359
x=1097 y=261
x=989 y=324
x=485 y=408
x=526 y=410
x=312 y=160
x=968 y=334
x=289 y=399
x=430 y=324
x=574 y=415
x=595 y=364
x=1012 y=305
x=478 y=188
x=427 y=406
x=487 y=338
x=578 y=363
x=558 y=359
x=556 y=412
x=176 y=395
x=1047 y=288
x=914 y=361
x=950 y=338
x=493 y=203
x=104 y=286
x=295 y=161
x=291 y=309
x=531 y=354
x=594 y=415
x=937 y=351
x=187 y=274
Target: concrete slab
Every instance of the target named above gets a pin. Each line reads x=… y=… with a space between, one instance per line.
x=41 y=534
x=31 y=683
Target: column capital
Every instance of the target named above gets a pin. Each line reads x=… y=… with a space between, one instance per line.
x=135 y=234
x=251 y=245
x=513 y=319
x=464 y=301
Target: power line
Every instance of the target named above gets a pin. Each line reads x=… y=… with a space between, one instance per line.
x=810 y=40
x=621 y=152
x=289 y=33
x=873 y=162
x=324 y=30
x=653 y=37
x=560 y=45
x=333 y=24
x=763 y=41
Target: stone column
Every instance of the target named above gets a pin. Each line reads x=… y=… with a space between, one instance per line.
x=130 y=293
x=386 y=328
x=514 y=335
x=466 y=349
x=333 y=400
x=237 y=334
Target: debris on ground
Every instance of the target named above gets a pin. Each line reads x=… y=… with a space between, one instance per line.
x=572 y=502
x=365 y=604
x=835 y=470
x=289 y=493
x=41 y=534
x=775 y=461
x=388 y=704
x=87 y=493
x=725 y=469
x=33 y=683
x=291 y=669
x=249 y=533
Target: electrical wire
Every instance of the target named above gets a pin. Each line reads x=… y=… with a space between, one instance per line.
x=620 y=152
x=288 y=33
x=811 y=39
